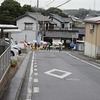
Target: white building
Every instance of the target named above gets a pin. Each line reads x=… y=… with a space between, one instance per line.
x=27 y=24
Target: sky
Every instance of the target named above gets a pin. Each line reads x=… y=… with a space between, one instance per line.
x=72 y=4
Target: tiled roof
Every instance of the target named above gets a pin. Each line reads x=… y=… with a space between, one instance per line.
x=61 y=19
x=34 y=16
x=60 y=34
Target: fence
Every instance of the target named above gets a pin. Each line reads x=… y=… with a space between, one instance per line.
x=4 y=61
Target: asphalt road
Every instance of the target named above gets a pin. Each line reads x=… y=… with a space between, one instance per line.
x=54 y=75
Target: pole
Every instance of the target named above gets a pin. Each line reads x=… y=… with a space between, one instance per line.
x=37 y=20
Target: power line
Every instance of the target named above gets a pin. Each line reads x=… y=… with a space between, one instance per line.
x=63 y=3
x=50 y=3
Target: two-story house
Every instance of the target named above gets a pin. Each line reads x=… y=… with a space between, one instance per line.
x=30 y=23
x=92 y=37
x=63 y=23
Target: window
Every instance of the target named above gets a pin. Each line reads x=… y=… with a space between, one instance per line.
x=91 y=28
x=28 y=26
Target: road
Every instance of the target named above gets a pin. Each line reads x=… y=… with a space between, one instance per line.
x=53 y=75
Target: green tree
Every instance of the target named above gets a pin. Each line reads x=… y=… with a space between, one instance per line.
x=56 y=11
x=9 y=10
x=26 y=8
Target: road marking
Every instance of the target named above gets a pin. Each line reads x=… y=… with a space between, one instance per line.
x=35 y=66
x=35 y=69
x=35 y=63
x=72 y=79
x=52 y=73
x=35 y=74
x=36 y=90
x=36 y=80
x=83 y=61
x=29 y=88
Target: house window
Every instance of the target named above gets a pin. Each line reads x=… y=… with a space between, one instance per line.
x=28 y=26
x=91 y=28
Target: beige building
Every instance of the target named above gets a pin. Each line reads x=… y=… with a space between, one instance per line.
x=92 y=37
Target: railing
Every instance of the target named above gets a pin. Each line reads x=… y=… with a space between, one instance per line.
x=4 y=61
x=2 y=41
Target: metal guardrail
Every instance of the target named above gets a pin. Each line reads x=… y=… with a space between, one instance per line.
x=4 y=61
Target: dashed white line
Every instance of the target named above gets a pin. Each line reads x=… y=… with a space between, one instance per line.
x=35 y=69
x=35 y=74
x=36 y=80
x=35 y=66
x=36 y=89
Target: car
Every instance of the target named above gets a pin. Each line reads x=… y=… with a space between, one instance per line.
x=14 y=52
x=13 y=45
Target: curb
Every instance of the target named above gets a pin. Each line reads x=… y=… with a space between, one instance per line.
x=16 y=83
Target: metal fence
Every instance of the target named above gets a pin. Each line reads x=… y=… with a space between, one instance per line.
x=4 y=61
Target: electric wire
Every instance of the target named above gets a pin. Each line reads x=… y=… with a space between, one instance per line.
x=63 y=3
x=50 y=3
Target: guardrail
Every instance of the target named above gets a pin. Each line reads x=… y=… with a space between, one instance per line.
x=4 y=61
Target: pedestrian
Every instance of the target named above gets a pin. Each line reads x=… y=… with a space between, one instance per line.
x=35 y=46
x=60 y=47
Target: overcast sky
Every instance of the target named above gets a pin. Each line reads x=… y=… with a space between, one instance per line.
x=73 y=4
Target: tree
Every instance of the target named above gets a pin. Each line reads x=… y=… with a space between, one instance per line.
x=26 y=8
x=9 y=10
x=56 y=11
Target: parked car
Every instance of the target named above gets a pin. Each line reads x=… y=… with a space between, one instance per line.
x=13 y=45
x=14 y=52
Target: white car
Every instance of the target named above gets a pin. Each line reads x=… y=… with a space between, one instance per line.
x=13 y=45
x=14 y=52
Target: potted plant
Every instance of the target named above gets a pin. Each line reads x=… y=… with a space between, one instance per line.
x=13 y=63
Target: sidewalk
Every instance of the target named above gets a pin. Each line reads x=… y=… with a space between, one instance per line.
x=81 y=55
x=16 y=82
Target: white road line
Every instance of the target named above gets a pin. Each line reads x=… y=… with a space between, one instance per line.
x=64 y=73
x=72 y=79
x=35 y=74
x=83 y=61
x=35 y=66
x=35 y=63
x=36 y=80
x=36 y=90
x=35 y=69
x=29 y=88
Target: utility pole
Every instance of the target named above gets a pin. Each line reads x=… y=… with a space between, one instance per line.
x=36 y=36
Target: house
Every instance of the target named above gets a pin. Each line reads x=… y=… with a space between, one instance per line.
x=77 y=22
x=62 y=22
x=64 y=36
x=32 y=26
x=4 y=57
x=92 y=37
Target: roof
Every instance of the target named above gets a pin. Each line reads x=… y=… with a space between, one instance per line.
x=11 y=30
x=5 y=26
x=61 y=19
x=61 y=34
x=93 y=20
x=81 y=30
x=34 y=16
